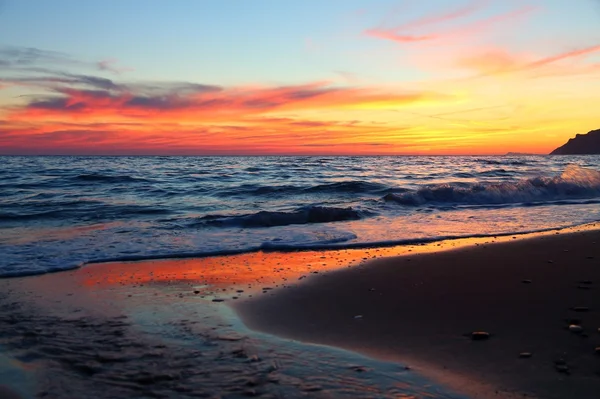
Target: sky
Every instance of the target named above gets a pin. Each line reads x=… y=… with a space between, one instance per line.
x=283 y=77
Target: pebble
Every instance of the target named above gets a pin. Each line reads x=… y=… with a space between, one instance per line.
x=597 y=350
x=526 y=281
x=312 y=388
x=575 y=328
x=218 y=300
x=525 y=355
x=562 y=368
x=480 y=335
x=358 y=316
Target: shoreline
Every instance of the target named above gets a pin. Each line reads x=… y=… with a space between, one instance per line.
x=136 y=307
x=392 y=248
x=411 y=309
x=142 y=329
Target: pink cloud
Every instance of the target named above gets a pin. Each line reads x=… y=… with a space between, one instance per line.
x=563 y=56
x=437 y=25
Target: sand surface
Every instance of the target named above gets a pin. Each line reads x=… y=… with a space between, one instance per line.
x=162 y=329
x=420 y=309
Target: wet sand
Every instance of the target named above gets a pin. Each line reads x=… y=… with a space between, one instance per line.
x=163 y=328
x=421 y=310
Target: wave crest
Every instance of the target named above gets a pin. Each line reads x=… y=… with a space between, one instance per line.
x=305 y=215
x=574 y=183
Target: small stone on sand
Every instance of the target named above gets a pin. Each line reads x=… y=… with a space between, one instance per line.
x=480 y=335
x=562 y=368
x=575 y=328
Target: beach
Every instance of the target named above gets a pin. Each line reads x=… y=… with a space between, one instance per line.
x=160 y=328
x=422 y=309
x=164 y=328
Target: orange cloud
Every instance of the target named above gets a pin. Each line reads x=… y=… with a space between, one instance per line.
x=497 y=61
x=80 y=113
x=258 y=136
x=206 y=103
x=90 y=115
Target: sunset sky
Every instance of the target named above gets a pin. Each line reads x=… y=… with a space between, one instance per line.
x=207 y=77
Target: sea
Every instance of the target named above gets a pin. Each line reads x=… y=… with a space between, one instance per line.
x=61 y=212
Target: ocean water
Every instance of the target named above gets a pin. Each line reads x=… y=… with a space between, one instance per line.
x=58 y=213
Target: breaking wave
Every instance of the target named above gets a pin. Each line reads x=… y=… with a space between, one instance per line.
x=573 y=184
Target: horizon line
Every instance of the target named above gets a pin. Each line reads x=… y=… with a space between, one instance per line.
x=281 y=155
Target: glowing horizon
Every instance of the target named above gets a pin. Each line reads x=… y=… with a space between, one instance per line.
x=361 y=78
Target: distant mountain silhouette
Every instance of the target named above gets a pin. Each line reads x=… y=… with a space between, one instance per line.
x=582 y=144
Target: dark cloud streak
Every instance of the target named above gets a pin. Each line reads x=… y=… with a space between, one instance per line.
x=25 y=56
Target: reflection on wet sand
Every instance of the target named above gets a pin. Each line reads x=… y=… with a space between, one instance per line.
x=151 y=329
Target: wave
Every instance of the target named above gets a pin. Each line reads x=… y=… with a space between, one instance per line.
x=356 y=186
x=97 y=177
x=574 y=183
x=339 y=243
x=12 y=217
x=91 y=211
x=346 y=187
x=304 y=215
x=507 y=161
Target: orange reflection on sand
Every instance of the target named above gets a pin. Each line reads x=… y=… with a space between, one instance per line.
x=251 y=271
x=226 y=276
x=255 y=270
